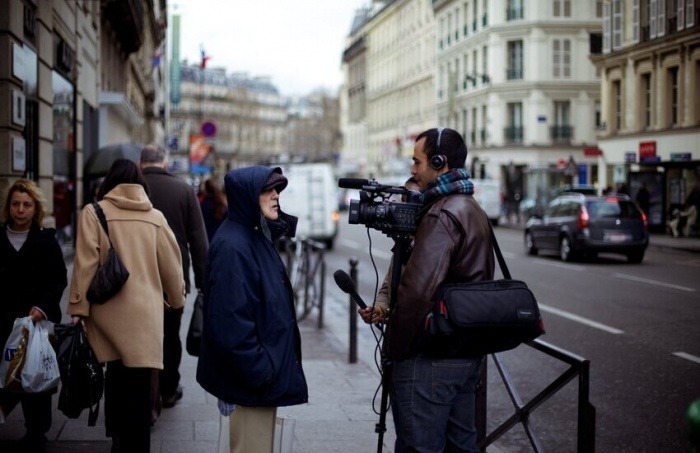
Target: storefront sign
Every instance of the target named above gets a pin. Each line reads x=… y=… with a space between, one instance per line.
x=681 y=157
x=18 y=61
x=19 y=154
x=647 y=151
x=592 y=151
x=630 y=157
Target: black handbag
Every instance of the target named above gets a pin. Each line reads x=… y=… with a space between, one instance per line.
x=479 y=318
x=194 y=332
x=110 y=276
x=82 y=377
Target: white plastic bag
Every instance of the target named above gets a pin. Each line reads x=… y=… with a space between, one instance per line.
x=40 y=372
x=14 y=354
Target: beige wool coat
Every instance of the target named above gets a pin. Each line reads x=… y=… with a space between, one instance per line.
x=128 y=327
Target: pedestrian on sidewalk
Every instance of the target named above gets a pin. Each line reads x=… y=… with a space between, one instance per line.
x=452 y=244
x=178 y=203
x=32 y=278
x=213 y=206
x=126 y=332
x=251 y=346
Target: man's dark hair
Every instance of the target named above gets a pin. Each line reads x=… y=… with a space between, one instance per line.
x=452 y=146
x=122 y=171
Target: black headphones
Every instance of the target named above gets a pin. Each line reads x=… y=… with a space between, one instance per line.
x=438 y=161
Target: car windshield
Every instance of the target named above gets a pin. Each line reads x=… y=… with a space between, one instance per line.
x=612 y=207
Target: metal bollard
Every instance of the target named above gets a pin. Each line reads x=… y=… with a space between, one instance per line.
x=353 y=314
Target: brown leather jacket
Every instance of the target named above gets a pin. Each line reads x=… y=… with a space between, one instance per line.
x=452 y=245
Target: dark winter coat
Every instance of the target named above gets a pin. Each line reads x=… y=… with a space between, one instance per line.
x=251 y=348
x=33 y=276
x=178 y=203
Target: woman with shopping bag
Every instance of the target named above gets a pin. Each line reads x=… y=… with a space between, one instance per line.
x=126 y=330
x=33 y=277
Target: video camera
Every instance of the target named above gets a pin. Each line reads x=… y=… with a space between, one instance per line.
x=375 y=210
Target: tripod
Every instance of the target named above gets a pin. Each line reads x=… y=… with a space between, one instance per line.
x=402 y=242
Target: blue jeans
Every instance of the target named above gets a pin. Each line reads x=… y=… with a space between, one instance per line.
x=434 y=404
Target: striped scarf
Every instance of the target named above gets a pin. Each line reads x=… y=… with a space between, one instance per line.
x=452 y=182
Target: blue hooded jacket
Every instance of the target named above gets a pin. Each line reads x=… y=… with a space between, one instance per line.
x=251 y=346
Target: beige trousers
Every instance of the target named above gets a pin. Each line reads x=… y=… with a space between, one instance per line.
x=252 y=429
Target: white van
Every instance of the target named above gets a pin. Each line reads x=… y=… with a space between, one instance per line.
x=487 y=192
x=312 y=196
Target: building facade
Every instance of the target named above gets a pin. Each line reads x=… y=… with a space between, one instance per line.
x=515 y=79
x=650 y=100
x=61 y=57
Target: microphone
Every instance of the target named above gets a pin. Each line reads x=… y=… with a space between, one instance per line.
x=344 y=282
x=352 y=183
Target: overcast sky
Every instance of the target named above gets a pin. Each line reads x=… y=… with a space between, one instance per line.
x=298 y=43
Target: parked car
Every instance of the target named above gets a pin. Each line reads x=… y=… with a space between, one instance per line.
x=530 y=207
x=578 y=225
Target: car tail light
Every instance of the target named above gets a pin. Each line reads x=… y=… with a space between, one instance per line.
x=644 y=220
x=583 y=218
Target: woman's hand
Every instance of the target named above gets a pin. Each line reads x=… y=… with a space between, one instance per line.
x=371 y=315
x=36 y=315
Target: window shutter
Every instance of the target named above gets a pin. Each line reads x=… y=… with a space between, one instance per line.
x=689 y=13
x=660 y=18
x=652 y=19
x=606 y=27
x=681 y=15
x=635 y=21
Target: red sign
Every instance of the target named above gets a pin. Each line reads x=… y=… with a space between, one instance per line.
x=592 y=151
x=647 y=150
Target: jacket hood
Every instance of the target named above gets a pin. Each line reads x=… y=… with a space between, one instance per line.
x=243 y=187
x=129 y=196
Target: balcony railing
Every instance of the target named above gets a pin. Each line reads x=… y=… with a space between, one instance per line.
x=514 y=134
x=561 y=133
x=482 y=134
x=514 y=73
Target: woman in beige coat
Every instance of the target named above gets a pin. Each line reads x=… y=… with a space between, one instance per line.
x=126 y=332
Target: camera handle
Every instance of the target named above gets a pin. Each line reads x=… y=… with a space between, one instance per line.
x=400 y=250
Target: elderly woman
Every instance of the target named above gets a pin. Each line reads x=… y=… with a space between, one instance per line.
x=126 y=332
x=32 y=278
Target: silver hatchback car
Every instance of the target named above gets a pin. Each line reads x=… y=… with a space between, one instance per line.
x=579 y=226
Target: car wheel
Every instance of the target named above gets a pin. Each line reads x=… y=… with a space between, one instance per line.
x=635 y=257
x=530 y=248
x=565 y=251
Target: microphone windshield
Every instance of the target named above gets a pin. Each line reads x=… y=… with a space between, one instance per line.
x=343 y=280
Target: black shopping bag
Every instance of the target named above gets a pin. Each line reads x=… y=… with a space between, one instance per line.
x=82 y=377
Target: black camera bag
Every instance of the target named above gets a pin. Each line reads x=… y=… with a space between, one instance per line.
x=479 y=318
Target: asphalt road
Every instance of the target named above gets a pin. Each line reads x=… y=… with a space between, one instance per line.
x=637 y=324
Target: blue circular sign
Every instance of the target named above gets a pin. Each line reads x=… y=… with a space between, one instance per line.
x=209 y=128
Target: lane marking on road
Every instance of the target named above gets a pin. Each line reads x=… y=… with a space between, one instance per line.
x=686 y=356
x=581 y=320
x=356 y=246
x=351 y=244
x=653 y=282
x=572 y=267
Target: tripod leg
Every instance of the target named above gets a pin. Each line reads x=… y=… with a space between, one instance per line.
x=380 y=427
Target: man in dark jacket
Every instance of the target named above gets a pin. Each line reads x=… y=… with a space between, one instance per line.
x=452 y=244
x=250 y=356
x=178 y=203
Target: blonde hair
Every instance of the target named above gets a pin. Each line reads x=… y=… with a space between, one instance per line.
x=31 y=189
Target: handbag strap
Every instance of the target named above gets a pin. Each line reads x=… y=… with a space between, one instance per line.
x=103 y=220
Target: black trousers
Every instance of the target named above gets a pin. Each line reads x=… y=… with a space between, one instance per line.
x=36 y=408
x=128 y=406
x=172 y=352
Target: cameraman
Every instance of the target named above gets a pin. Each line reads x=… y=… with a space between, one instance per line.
x=433 y=390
